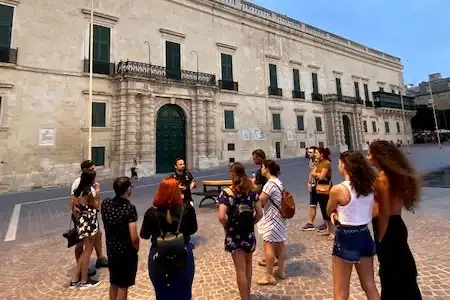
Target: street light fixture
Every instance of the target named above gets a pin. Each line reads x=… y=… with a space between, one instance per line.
x=434 y=112
x=196 y=55
x=91 y=51
x=401 y=85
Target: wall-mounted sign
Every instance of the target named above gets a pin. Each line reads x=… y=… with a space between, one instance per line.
x=245 y=134
x=46 y=137
x=290 y=135
x=258 y=134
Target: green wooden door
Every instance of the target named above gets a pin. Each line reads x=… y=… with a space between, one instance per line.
x=170 y=137
x=347 y=131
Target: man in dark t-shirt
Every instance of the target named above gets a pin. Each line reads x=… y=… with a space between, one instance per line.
x=258 y=157
x=185 y=178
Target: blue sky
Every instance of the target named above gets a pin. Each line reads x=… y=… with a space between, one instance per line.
x=417 y=31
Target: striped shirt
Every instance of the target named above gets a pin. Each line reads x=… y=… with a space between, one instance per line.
x=273 y=226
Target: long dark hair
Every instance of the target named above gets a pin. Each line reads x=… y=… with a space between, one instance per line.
x=362 y=176
x=241 y=183
x=404 y=181
x=87 y=180
x=272 y=166
x=325 y=152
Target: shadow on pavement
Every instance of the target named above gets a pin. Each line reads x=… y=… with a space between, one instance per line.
x=299 y=268
x=439 y=178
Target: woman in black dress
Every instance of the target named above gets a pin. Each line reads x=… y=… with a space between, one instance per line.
x=397 y=187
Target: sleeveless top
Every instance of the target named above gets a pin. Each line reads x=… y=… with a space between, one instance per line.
x=358 y=211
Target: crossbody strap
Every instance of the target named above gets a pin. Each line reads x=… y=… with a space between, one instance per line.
x=178 y=226
x=273 y=202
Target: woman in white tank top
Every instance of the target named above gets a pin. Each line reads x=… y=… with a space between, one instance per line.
x=350 y=206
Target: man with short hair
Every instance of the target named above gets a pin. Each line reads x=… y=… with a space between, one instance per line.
x=122 y=241
x=185 y=179
x=102 y=261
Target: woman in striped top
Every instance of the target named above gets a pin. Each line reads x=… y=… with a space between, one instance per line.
x=273 y=226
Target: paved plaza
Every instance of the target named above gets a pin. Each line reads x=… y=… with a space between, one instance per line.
x=37 y=265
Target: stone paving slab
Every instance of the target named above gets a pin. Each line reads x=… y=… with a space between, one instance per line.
x=41 y=269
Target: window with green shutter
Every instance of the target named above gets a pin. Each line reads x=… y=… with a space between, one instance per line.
x=98 y=155
x=273 y=76
x=102 y=50
x=319 y=124
x=296 y=76
x=300 y=123
x=365 y=126
x=98 y=114
x=315 y=83
x=374 y=126
x=173 y=60
x=276 y=120
x=338 y=87
x=366 y=92
x=398 y=127
x=386 y=127
x=357 y=94
x=229 y=119
x=6 y=21
x=227 y=67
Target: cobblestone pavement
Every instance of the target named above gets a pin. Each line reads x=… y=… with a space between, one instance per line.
x=41 y=269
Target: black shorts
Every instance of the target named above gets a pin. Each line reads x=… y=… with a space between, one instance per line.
x=122 y=270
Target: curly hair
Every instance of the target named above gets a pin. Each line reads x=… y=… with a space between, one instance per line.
x=404 y=180
x=274 y=168
x=241 y=183
x=362 y=175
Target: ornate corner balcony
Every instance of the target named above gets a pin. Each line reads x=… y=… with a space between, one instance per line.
x=8 y=55
x=342 y=99
x=392 y=101
x=145 y=70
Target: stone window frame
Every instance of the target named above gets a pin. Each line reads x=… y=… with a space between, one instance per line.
x=105 y=154
x=276 y=110
x=228 y=106
x=5 y=89
x=100 y=19
x=300 y=112
x=321 y=124
x=365 y=126
x=297 y=65
x=387 y=129
x=168 y=35
x=272 y=60
x=14 y=30
x=338 y=75
x=103 y=98
x=381 y=84
x=315 y=69
x=367 y=82
x=223 y=48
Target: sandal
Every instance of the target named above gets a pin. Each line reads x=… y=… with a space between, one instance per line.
x=262 y=263
x=279 y=275
x=331 y=237
x=266 y=280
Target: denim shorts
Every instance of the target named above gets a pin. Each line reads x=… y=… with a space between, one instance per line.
x=353 y=242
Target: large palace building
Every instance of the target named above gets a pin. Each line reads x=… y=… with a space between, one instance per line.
x=208 y=80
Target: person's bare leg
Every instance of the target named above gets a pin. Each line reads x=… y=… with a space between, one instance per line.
x=78 y=251
x=85 y=257
x=98 y=245
x=367 y=278
x=249 y=270
x=280 y=249
x=241 y=274
x=122 y=294
x=342 y=272
x=113 y=292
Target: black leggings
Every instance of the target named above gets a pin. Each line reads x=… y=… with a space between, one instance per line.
x=398 y=272
x=323 y=202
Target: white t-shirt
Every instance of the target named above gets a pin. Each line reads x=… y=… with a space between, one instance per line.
x=76 y=183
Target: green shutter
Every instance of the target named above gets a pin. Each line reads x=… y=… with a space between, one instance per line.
x=366 y=92
x=227 y=67
x=315 y=83
x=273 y=76
x=102 y=40
x=6 y=20
x=173 y=60
x=357 y=94
x=365 y=126
x=229 y=119
x=386 y=127
x=338 y=87
x=276 y=120
x=98 y=155
x=296 y=75
x=300 y=123
x=398 y=127
x=319 y=124
x=98 y=114
x=374 y=126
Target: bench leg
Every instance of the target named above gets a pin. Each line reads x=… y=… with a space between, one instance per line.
x=207 y=198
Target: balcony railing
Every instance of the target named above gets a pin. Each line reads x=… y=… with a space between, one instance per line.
x=298 y=94
x=368 y=103
x=275 y=91
x=342 y=99
x=8 y=55
x=316 y=97
x=99 y=67
x=228 y=85
x=145 y=70
x=390 y=100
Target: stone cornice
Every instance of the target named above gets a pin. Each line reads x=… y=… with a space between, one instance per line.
x=314 y=67
x=97 y=93
x=6 y=85
x=299 y=110
x=12 y=2
x=274 y=57
x=172 y=34
x=381 y=82
x=279 y=108
x=231 y=104
x=294 y=62
x=99 y=15
x=225 y=46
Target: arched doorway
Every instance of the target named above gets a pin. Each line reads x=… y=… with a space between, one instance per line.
x=347 y=130
x=170 y=137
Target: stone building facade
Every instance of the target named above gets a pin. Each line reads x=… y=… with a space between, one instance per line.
x=208 y=80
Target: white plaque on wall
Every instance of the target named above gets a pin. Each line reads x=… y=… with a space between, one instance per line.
x=290 y=135
x=258 y=134
x=245 y=134
x=46 y=137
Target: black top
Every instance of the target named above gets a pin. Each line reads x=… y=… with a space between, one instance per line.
x=259 y=178
x=117 y=213
x=185 y=179
x=150 y=226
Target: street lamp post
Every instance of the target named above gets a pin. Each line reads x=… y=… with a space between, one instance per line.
x=149 y=60
x=401 y=86
x=91 y=51
x=434 y=114
x=196 y=55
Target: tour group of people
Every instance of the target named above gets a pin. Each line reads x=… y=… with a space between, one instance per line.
x=375 y=190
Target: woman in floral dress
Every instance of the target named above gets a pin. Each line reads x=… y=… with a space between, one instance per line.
x=239 y=210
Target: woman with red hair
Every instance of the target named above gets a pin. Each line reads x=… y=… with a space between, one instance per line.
x=169 y=223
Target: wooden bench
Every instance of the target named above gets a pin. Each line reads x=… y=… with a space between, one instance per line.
x=212 y=194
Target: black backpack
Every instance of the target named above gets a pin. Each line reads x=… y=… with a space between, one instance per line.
x=171 y=253
x=241 y=217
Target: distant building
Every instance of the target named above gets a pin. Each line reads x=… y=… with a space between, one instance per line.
x=440 y=87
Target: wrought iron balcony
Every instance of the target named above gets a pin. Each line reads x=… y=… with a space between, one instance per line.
x=275 y=91
x=228 y=85
x=99 y=67
x=342 y=99
x=390 y=100
x=8 y=55
x=368 y=103
x=298 y=94
x=316 y=97
x=145 y=70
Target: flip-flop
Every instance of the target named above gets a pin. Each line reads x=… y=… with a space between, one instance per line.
x=265 y=281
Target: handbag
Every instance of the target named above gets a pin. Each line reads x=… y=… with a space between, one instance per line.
x=71 y=235
x=323 y=188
